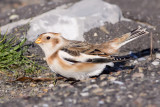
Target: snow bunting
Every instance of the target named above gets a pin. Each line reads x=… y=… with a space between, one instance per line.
x=80 y=60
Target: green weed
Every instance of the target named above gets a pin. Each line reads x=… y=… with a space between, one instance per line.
x=12 y=56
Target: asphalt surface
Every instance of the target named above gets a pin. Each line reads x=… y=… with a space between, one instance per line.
x=134 y=83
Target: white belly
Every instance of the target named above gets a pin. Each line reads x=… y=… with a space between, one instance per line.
x=77 y=73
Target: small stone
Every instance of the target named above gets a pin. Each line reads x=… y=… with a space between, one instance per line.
x=158 y=55
x=59 y=103
x=101 y=102
x=102 y=77
x=65 y=94
x=109 y=90
x=13 y=92
x=111 y=78
x=140 y=69
x=84 y=94
x=85 y=101
x=45 y=90
x=64 y=85
x=149 y=68
x=135 y=62
x=95 y=34
x=14 y=17
x=13 y=10
x=118 y=82
x=130 y=96
x=40 y=94
x=70 y=100
x=118 y=73
x=153 y=74
x=97 y=90
x=108 y=99
x=36 y=89
x=32 y=85
x=93 y=80
x=104 y=29
x=51 y=85
x=89 y=87
x=103 y=83
x=141 y=59
x=142 y=94
x=74 y=101
x=155 y=63
x=157 y=81
x=45 y=105
x=138 y=75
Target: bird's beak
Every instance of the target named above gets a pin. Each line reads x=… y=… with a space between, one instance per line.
x=38 y=40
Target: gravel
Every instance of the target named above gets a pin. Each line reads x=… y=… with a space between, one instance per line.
x=128 y=84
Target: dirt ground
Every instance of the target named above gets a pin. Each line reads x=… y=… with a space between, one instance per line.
x=134 y=83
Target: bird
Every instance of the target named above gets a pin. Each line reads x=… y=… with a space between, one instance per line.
x=79 y=59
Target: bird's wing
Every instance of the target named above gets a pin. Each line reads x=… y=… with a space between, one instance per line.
x=80 y=52
x=84 y=58
x=76 y=48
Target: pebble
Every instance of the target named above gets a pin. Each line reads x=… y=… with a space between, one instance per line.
x=45 y=105
x=140 y=69
x=101 y=102
x=111 y=78
x=130 y=96
x=104 y=30
x=102 y=77
x=32 y=85
x=138 y=75
x=142 y=94
x=118 y=82
x=109 y=90
x=51 y=85
x=93 y=80
x=45 y=90
x=135 y=62
x=84 y=94
x=13 y=92
x=158 y=55
x=157 y=81
x=59 y=103
x=65 y=95
x=97 y=90
x=89 y=87
x=153 y=74
x=108 y=99
x=85 y=101
x=149 y=68
x=95 y=34
x=118 y=73
x=14 y=17
x=141 y=59
x=36 y=89
x=103 y=83
x=64 y=85
x=155 y=63
x=70 y=100
x=13 y=10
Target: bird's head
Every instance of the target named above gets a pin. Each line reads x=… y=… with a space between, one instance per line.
x=50 y=42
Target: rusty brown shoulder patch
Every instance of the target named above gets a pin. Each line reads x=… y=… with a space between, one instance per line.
x=52 y=57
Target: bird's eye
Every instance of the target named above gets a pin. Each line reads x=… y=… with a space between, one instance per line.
x=48 y=37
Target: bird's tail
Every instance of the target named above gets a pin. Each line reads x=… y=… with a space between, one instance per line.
x=133 y=35
x=112 y=46
x=128 y=37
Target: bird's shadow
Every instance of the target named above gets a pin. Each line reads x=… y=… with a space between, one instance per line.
x=122 y=64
